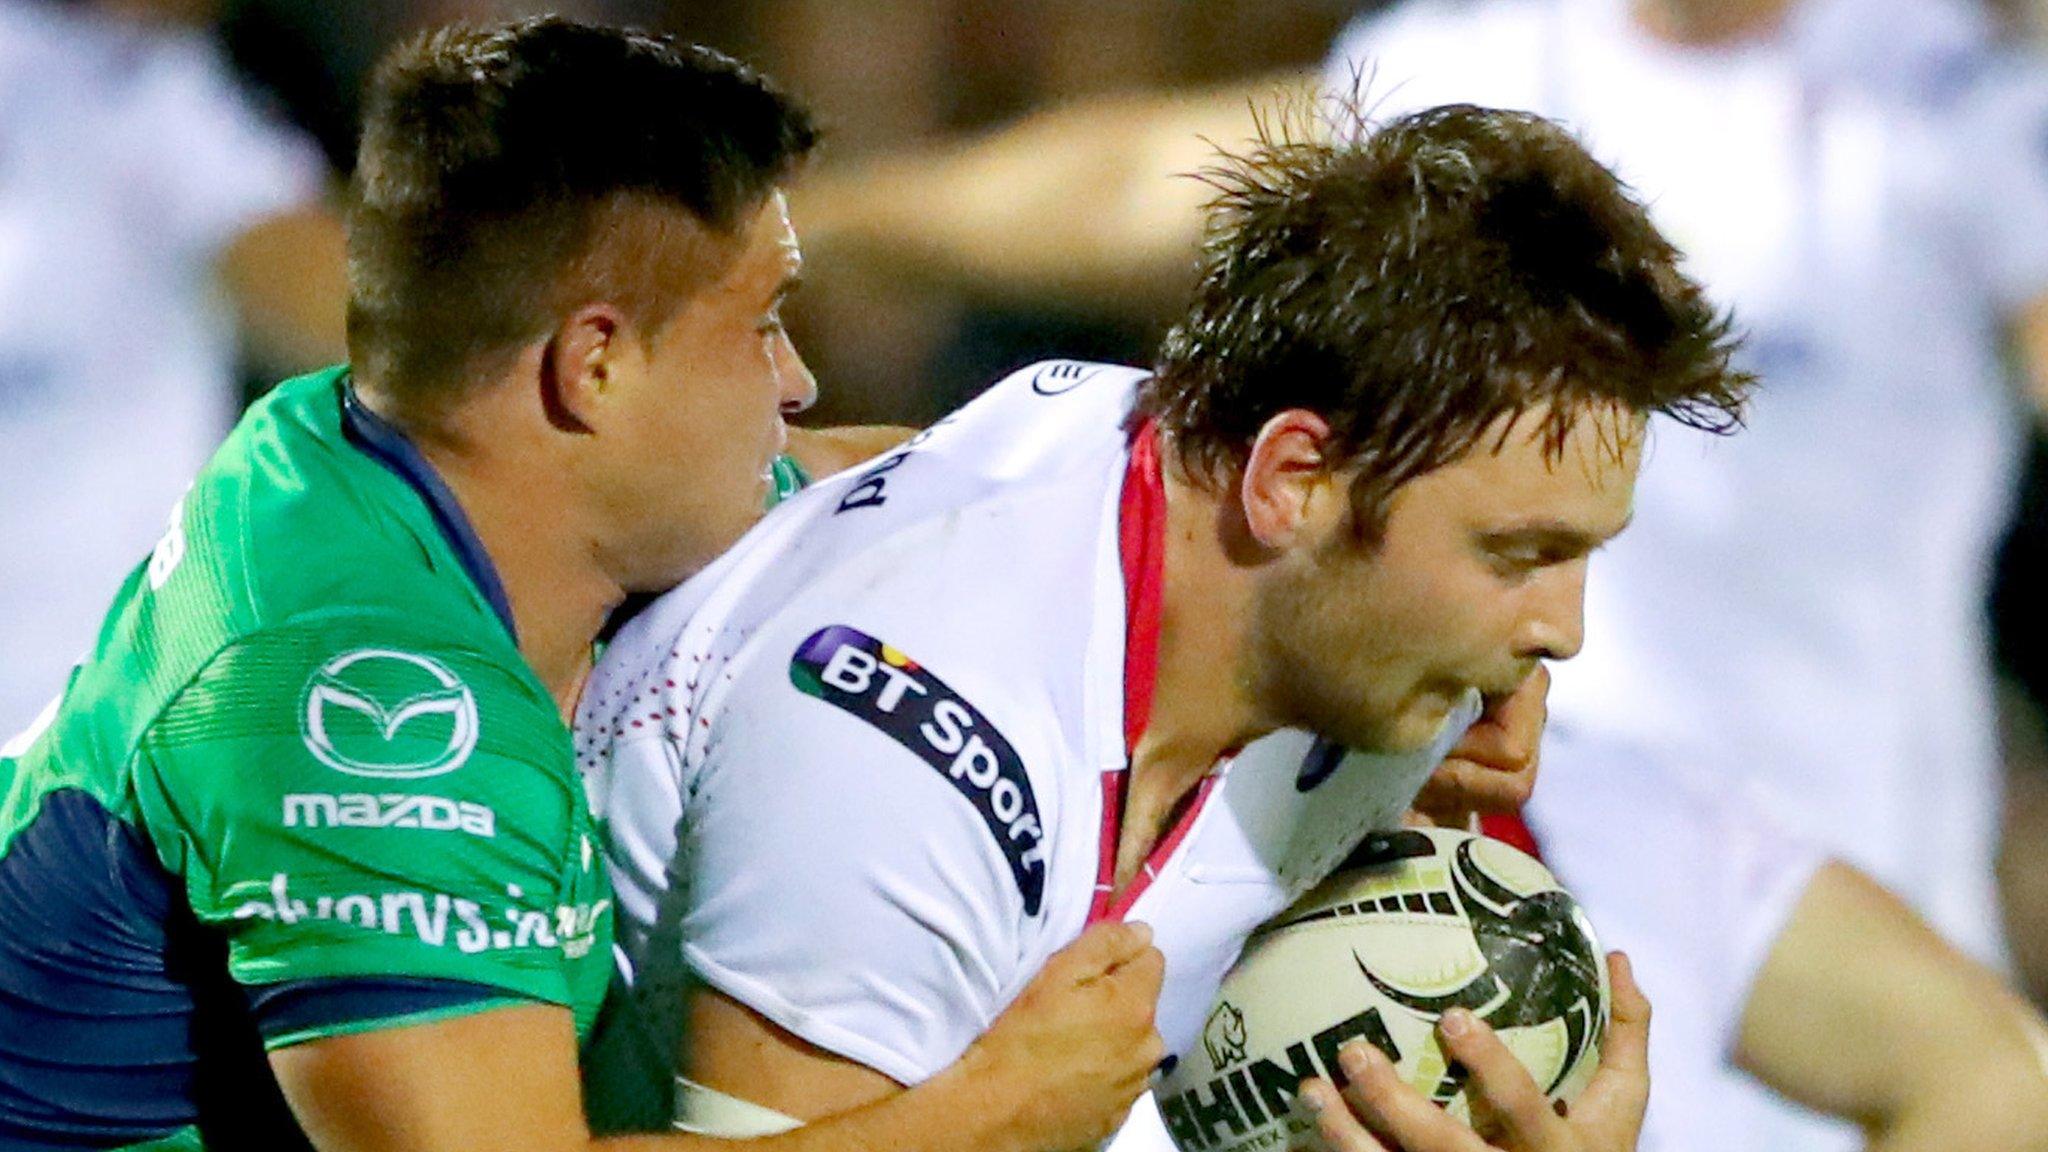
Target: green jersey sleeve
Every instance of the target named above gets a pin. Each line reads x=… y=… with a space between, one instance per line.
x=353 y=796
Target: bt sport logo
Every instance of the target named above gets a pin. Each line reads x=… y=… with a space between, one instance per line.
x=881 y=686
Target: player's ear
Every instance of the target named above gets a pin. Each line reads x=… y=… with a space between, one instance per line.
x=1287 y=482
x=583 y=365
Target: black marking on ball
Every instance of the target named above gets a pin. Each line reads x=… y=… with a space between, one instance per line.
x=1532 y=945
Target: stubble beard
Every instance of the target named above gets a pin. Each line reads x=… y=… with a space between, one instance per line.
x=1300 y=668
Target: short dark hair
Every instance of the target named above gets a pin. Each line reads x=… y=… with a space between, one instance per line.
x=1415 y=283
x=510 y=172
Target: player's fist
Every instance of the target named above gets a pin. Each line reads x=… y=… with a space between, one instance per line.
x=1493 y=769
x=1078 y=1046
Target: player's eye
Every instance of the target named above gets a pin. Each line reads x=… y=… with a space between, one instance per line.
x=1513 y=564
x=1521 y=559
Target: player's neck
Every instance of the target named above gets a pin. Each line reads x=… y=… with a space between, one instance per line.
x=559 y=597
x=1200 y=710
x=560 y=600
x=1700 y=24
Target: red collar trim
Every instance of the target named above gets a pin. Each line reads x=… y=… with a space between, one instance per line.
x=1141 y=542
x=1141 y=545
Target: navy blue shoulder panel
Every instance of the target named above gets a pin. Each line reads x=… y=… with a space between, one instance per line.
x=97 y=1036
x=381 y=441
x=119 y=1023
x=299 y=1007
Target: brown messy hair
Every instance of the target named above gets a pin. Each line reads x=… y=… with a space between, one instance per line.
x=1414 y=284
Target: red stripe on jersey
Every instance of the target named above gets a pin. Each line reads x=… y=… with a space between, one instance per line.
x=1510 y=828
x=1141 y=545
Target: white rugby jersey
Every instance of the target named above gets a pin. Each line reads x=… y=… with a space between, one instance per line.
x=863 y=774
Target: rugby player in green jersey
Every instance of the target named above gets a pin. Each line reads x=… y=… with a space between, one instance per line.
x=305 y=818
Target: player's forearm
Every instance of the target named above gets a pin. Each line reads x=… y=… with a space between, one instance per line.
x=1964 y=1123
x=1057 y=1070
x=1993 y=1096
x=287 y=277
x=1088 y=202
x=1863 y=1012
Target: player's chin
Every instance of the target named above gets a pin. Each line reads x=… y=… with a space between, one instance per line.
x=687 y=555
x=741 y=520
x=1420 y=722
x=1386 y=734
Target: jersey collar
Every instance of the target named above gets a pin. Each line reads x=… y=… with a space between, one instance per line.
x=1141 y=546
x=381 y=441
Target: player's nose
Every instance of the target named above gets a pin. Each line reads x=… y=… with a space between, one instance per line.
x=1555 y=626
x=799 y=389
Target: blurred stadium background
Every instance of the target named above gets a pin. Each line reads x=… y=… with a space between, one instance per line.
x=885 y=75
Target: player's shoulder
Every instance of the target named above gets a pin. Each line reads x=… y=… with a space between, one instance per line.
x=1039 y=445
x=357 y=717
x=983 y=534
x=961 y=659
x=303 y=508
x=1105 y=384
x=372 y=666
x=900 y=685
x=1035 y=417
x=1033 y=425
x=1008 y=597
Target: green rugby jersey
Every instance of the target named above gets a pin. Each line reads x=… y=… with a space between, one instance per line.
x=303 y=785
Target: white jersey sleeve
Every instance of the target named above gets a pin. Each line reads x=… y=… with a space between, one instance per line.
x=872 y=915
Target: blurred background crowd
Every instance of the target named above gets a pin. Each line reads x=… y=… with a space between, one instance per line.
x=996 y=191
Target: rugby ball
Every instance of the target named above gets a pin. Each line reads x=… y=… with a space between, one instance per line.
x=1416 y=923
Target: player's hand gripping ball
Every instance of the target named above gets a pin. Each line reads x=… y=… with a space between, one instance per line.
x=1417 y=922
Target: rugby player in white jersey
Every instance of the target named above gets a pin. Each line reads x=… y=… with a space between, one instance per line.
x=1862 y=181
x=931 y=719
